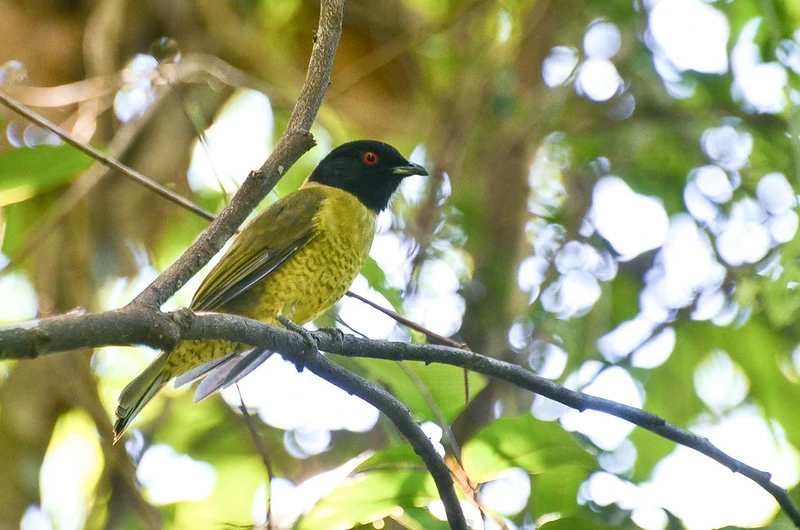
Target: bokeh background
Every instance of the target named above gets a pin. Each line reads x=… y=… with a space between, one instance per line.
x=612 y=203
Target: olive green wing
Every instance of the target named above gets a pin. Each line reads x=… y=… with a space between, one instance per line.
x=268 y=241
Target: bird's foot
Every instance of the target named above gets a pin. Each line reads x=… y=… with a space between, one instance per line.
x=311 y=345
x=337 y=335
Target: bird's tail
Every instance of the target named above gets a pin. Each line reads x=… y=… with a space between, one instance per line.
x=138 y=392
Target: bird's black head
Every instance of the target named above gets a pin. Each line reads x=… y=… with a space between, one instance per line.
x=368 y=169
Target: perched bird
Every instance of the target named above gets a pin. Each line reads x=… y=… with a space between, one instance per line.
x=294 y=261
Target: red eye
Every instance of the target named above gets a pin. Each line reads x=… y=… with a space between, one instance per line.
x=370 y=158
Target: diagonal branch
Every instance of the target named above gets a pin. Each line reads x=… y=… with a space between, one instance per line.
x=104 y=159
x=519 y=376
x=401 y=417
x=295 y=141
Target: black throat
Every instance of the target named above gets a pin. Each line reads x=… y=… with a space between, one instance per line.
x=374 y=194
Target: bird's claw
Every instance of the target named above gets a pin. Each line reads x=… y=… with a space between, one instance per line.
x=337 y=335
x=311 y=345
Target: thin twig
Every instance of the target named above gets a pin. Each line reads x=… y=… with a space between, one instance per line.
x=523 y=378
x=426 y=394
x=103 y=158
x=81 y=186
x=67 y=94
x=437 y=411
x=248 y=420
x=430 y=335
x=402 y=418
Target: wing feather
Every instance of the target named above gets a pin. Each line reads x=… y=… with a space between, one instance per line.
x=271 y=239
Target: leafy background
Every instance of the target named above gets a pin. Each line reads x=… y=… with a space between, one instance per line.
x=522 y=243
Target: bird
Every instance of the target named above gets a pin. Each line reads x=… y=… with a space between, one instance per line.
x=292 y=263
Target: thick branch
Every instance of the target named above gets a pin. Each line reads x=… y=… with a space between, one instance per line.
x=295 y=141
x=140 y=325
x=76 y=330
x=402 y=418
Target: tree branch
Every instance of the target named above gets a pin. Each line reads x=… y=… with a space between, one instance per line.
x=129 y=325
x=294 y=142
x=142 y=325
x=107 y=161
x=76 y=330
x=402 y=418
x=356 y=347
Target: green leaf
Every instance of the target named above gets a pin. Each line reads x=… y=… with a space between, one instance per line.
x=442 y=383
x=237 y=480
x=400 y=457
x=572 y=523
x=556 y=490
x=20 y=218
x=377 y=280
x=25 y=173
x=535 y=446
x=419 y=519
x=373 y=496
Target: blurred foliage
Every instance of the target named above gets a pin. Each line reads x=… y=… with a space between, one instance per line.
x=513 y=163
x=30 y=172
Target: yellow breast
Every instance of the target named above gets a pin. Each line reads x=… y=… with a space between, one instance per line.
x=319 y=273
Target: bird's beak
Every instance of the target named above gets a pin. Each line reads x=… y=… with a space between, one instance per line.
x=410 y=169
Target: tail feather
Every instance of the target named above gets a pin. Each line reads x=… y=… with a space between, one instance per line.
x=139 y=392
x=231 y=371
x=200 y=371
